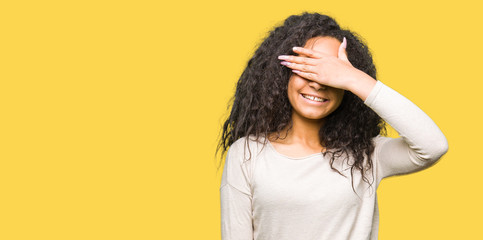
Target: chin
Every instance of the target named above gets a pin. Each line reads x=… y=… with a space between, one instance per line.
x=315 y=116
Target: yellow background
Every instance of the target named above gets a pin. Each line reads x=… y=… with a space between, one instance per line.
x=110 y=112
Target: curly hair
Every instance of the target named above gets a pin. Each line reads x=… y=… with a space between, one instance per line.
x=261 y=105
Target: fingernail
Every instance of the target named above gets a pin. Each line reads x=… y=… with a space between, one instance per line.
x=285 y=63
x=344 y=43
x=282 y=57
x=296 y=48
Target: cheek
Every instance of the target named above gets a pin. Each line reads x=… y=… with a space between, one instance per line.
x=292 y=89
x=339 y=96
x=289 y=89
x=295 y=83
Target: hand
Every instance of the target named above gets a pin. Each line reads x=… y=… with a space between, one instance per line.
x=323 y=68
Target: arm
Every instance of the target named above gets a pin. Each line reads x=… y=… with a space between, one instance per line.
x=235 y=196
x=421 y=142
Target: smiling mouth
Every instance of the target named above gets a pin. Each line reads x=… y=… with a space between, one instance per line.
x=313 y=98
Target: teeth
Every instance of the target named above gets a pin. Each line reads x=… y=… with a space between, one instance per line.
x=313 y=98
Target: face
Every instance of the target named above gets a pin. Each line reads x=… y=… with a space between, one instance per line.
x=304 y=95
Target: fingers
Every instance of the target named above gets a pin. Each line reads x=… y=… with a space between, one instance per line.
x=301 y=67
x=306 y=75
x=308 y=52
x=305 y=64
x=295 y=59
x=342 y=51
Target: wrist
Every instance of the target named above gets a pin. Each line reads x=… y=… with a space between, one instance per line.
x=362 y=86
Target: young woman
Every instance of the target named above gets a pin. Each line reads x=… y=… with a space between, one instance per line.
x=304 y=139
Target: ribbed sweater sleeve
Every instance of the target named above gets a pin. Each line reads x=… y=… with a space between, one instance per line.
x=236 y=196
x=421 y=142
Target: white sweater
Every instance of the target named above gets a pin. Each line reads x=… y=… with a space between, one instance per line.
x=271 y=196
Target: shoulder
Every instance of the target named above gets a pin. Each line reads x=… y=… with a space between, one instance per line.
x=247 y=147
x=379 y=140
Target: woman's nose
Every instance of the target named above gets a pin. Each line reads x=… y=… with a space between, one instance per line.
x=317 y=86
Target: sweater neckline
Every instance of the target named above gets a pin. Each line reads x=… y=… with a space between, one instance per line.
x=288 y=157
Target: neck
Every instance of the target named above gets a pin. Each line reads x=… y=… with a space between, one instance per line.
x=304 y=131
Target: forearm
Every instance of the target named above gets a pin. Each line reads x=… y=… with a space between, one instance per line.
x=425 y=140
x=362 y=85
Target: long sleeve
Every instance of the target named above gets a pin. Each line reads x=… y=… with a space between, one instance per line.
x=235 y=196
x=421 y=142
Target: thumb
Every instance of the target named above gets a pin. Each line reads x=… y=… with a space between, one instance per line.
x=342 y=52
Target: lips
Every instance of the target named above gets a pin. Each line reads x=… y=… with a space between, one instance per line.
x=314 y=98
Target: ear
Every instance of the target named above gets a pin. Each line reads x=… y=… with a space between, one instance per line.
x=342 y=52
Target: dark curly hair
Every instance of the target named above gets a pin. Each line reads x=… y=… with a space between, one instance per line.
x=261 y=106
